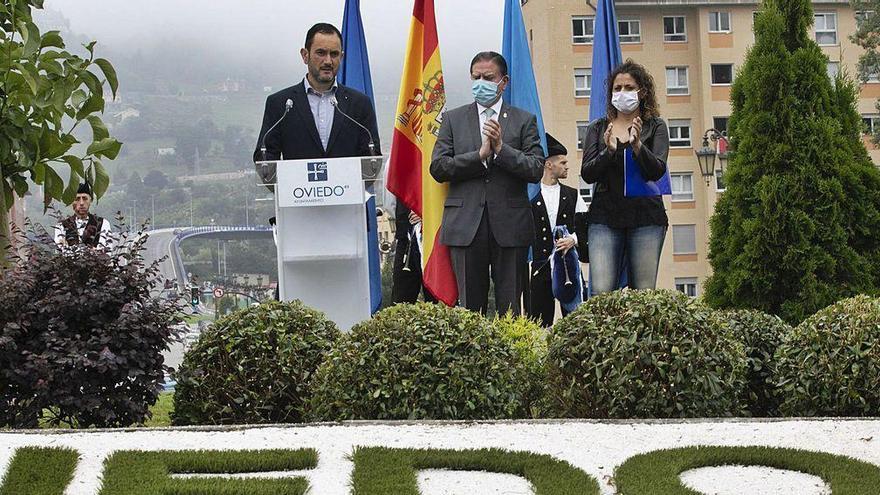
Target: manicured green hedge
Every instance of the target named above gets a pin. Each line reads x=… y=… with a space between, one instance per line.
x=644 y=354
x=830 y=366
x=253 y=366
x=761 y=334
x=419 y=361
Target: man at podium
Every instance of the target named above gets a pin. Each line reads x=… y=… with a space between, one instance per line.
x=317 y=118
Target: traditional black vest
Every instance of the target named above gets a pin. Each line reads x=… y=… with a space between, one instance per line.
x=91 y=234
x=401 y=219
x=542 y=246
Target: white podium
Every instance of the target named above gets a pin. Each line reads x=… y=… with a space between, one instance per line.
x=322 y=235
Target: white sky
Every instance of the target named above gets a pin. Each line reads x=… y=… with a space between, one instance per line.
x=272 y=31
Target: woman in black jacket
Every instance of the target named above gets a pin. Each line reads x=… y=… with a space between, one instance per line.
x=625 y=230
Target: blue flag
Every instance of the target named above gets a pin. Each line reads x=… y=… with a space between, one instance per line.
x=606 y=56
x=354 y=72
x=634 y=184
x=522 y=90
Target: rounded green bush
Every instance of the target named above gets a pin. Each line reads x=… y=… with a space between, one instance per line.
x=644 y=354
x=761 y=334
x=418 y=361
x=830 y=366
x=529 y=341
x=253 y=366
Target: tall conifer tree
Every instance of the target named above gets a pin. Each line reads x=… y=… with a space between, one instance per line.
x=798 y=226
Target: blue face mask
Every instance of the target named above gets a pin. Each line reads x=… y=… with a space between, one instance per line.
x=485 y=92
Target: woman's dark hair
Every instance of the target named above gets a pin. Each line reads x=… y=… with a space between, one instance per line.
x=648 y=107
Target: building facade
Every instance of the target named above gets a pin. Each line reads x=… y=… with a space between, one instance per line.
x=693 y=49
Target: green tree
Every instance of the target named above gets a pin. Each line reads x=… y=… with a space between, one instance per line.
x=46 y=92
x=796 y=229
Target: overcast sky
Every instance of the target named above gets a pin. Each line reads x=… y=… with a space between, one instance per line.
x=271 y=32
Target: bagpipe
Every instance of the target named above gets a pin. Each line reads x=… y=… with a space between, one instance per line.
x=566 y=277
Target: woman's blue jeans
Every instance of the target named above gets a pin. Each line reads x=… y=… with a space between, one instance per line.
x=610 y=248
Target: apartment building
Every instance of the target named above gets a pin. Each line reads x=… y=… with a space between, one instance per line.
x=693 y=49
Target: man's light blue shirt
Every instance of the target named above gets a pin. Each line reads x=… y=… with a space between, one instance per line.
x=322 y=110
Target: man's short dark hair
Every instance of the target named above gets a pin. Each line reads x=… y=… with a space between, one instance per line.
x=323 y=28
x=491 y=57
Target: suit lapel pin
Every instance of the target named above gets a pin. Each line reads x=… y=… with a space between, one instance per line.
x=504 y=115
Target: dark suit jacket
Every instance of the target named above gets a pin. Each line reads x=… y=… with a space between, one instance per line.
x=500 y=188
x=296 y=137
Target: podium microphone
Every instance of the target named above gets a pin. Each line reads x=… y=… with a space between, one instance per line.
x=335 y=103
x=287 y=106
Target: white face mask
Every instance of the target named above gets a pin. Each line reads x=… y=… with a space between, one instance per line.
x=625 y=101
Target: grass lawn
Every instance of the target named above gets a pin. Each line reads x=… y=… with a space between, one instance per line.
x=161 y=411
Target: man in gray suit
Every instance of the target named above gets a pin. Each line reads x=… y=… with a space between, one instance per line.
x=488 y=151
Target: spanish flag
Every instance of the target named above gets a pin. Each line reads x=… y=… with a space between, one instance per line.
x=419 y=113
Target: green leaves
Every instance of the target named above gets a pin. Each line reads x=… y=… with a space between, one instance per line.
x=51 y=91
x=109 y=73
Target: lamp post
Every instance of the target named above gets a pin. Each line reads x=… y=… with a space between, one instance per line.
x=706 y=154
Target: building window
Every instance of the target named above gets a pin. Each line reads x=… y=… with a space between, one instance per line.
x=630 y=30
x=722 y=73
x=680 y=133
x=586 y=191
x=833 y=68
x=826 y=28
x=682 y=186
x=719 y=181
x=583 y=80
x=687 y=285
x=720 y=124
x=862 y=16
x=684 y=239
x=582 y=29
x=582 y=133
x=673 y=29
x=871 y=123
x=677 y=81
x=719 y=22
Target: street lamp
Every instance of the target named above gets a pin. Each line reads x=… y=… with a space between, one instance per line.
x=706 y=154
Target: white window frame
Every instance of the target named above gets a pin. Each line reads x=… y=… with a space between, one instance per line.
x=872 y=124
x=678 y=228
x=675 y=89
x=712 y=75
x=587 y=74
x=720 y=186
x=717 y=16
x=585 y=21
x=675 y=139
x=670 y=37
x=684 y=181
x=825 y=30
x=630 y=37
x=683 y=283
x=581 y=124
x=726 y=123
x=829 y=65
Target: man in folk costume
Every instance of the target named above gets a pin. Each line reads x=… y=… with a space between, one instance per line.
x=83 y=227
x=556 y=204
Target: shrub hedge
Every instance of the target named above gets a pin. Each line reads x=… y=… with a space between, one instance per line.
x=253 y=366
x=419 y=361
x=81 y=336
x=643 y=354
x=761 y=334
x=830 y=365
x=529 y=341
